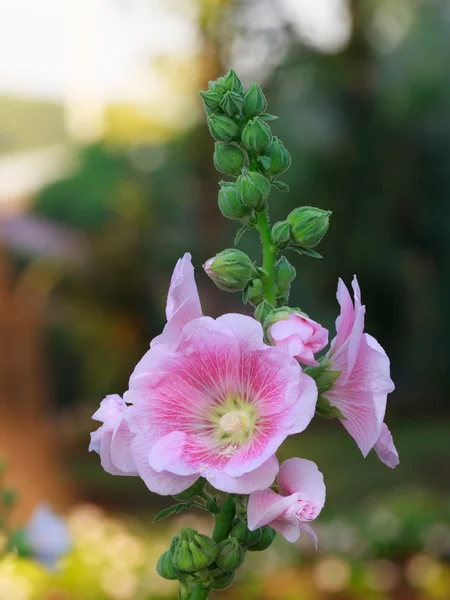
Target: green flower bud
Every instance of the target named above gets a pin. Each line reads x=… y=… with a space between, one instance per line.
x=254 y=101
x=308 y=225
x=228 y=158
x=182 y=558
x=231 y=82
x=279 y=314
x=231 y=270
x=231 y=554
x=223 y=581
x=240 y=532
x=253 y=189
x=279 y=157
x=284 y=274
x=262 y=311
x=211 y=99
x=222 y=128
x=165 y=567
x=256 y=292
x=229 y=203
x=254 y=537
x=203 y=551
x=281 y=233
x=267 y=537
x=256 y=136
x=232 y=103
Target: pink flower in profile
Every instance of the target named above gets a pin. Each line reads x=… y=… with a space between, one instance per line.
x=385 y=448
x=300 y=336
x=360 y=391
x=112 y=440
x=301 y=498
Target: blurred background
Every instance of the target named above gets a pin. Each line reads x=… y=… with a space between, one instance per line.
x=106 y=179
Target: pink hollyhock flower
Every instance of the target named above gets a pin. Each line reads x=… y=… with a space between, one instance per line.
x=360 y=391
x=301 y=498
x=300 y=336
x=386 y=449
x=112 y=440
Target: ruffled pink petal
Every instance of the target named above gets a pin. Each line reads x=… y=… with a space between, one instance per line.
x=306 y=528
x=171 y=334
x=259 y=479
x=183 y=288
x=303 y=476
x=305 y=408
x=344 y=322
x=386 y=449
x=264 y=507
x=244 y=327
x=288 y=527
x=121 y=448
x=164 y=483
x=168 y=454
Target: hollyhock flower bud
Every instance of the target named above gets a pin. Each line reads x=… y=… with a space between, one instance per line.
x=301 y=498
x=256 y=135
x=165 y=567
x=231 y=82
x=203 y=549
x=308 y=225
x=211 y=99
x=268 y=535
x=231 y=555
x=222 y=128
x=255 y=102
x=232 y=103
x=256 y=292
x=284 y=274
x=281 y=233
x=231 y=270
x=221 y=582
x=253 y=189
x=182 y=558
x=230 y=205
x=228 y=158
x=297 y=334
x=279 y=157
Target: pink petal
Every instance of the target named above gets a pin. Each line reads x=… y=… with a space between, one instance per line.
x=187 y=312
x=164 y=483
x=244 y=327
x=121 y=448
x=305 y=408
x=168 y=454
x=264 y=507
x=386 y=449
x=183 y=288
x=306 y=528
x=344 y=322
x=303 y=476
x=259 y=479
x=288 y=527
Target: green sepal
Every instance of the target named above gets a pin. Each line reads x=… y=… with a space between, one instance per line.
x=231 y=82
x=264 y=161
x=268 y=117
x=262 y=311
x=267 y=537
x=232 y=104
x=222 y=581
x=245 y=292
x=325 y=410
x=213 y=506
x=280 y=186
x=240 y=233
x=311 y=253
x=326 y=380
x=165 y=568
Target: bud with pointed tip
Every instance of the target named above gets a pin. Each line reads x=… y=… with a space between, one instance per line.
x=231 y=82
x=211 y=99
x=222 y=128
x=228 y=158
x=231 y=270
x=256 y=135
x=231 y=554
x=203 y=551
x=267 y=537
x=181 y=557
x=280 y=159
x=256 y=292
x=284 y=274
x=308 y=225
x=255 y=102
x=253 y=189
x=232 y=103
x=165 y=567
x=281 y=234
x=229 y=203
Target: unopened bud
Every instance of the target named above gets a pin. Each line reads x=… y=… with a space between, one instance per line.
x=284 y=274
x=231 y=82
x=262 y=311
x=256 y=135
x=228 y=158
x=231 y=270
x=267 y=537
x=254 y=101
x=203 y=551
x=240 y=532
x=232 y=103
x=253 y=189
x=231 y=554
x=231 y=206
x=222 y=581
x=211 y=99
x=308 y=225
x=256 y=292
x=182 y=558
x=165 y=567
x=280 y=159
x=281 y=233
x=222 y=128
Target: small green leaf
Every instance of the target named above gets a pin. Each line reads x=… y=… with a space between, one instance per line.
x=173 y=510
x=268 y=117
x=264 y=161
x=213 y=506
x=280 y=186
x=240 y=233
x=311 y=253
x=325 y=410
x=296 y=249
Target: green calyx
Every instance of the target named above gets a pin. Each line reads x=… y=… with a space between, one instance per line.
x=223 y=128
x=284 y=275
x=280 y=159
x=253 y=189
x=221 y=582
x=308 y=225
x=231 y=270
x=268 y=535
x=228 y=158
x=192 y=551
x=231 y=554
x=281 y=234
x=255 y=102
x=256 y=136
x=230 y=205
x=165 y=567
x=232 y=104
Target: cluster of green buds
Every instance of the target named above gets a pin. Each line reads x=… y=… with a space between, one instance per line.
x=253 y=159
x=201 y=563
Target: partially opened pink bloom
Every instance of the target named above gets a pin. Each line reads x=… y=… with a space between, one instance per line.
x=301 y=498
x=300 y=336
x=386 y=449
x=360 y=392
x=217 y=405
x=112 y=440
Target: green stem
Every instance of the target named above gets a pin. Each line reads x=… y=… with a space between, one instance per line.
x=269 y=256
x=224 y=520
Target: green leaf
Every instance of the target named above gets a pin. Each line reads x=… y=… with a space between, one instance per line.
x=268 y=117
x=280 y=186
x=311 y=253
x=174 y=510
x=240 y=233
x=325 y=410
x=296 y=249
x=264 y=161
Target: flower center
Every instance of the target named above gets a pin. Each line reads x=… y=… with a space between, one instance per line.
x=234 y=422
